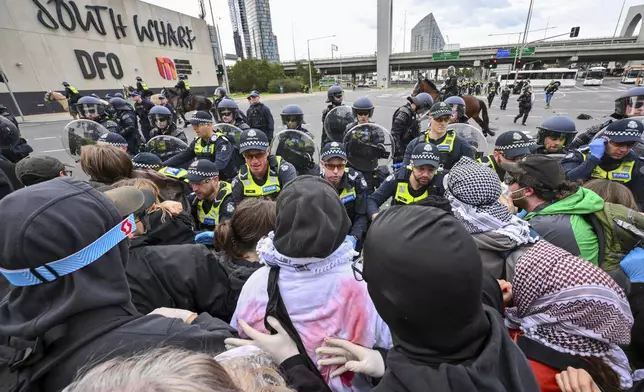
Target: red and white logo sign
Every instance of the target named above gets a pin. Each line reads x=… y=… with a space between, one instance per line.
x=126 y=227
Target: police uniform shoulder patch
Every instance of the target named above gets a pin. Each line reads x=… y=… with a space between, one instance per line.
x=390 y=177
x=569 y=155
x=224 y=148
x=284 y=168
x=230 y=208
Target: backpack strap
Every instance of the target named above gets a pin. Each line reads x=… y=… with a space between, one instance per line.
x=598 y=229
x=552 y=358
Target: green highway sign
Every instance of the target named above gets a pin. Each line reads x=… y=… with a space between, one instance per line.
x=440 y=56
x=529 y=51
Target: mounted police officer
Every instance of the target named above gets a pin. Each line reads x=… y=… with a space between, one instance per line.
x=262 y=174
x=555 y=135
x=210 y=145
x=212 y=201
x=126 y=119
x=293 y=118
x=259 y=115
x=412 y=183
x=220 y=94
x=142 y=107
x=184 y=87
x=629 y=104
x=91 y=108
x=350 y=185
x=405 y=125
x=611 y=157
x=451 y=147
x=160 y=118
x=362 y=109
x=142 y=88
x=229 y=113
x=451 y=83
x=72 y=96
x=458 y=109
x=510 y=146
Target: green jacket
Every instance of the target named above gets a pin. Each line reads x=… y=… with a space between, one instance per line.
x=562 y=223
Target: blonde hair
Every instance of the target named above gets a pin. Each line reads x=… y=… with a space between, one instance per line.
x=144 y=183
x=105 y=164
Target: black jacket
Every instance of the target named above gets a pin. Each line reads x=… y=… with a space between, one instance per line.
x=168 y=230
x=238 y=270
x=448 y=159
x=260 y=117
x=404 y=128
x=180 y=276
x=9 y=169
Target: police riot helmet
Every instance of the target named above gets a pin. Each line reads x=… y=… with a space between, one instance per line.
x=94 y=95
x=160 y=117
x=451 y=71
x=118 y=95
x=119 y=104
x=227 y=107
x=9 y=133
x=65 y=84
x=458 y=106
x=366 y=145
x=90 y=107
x=292 y=114
x=139 y=79
x=183 y=77
x=334 y=95
x=362 y=105
x=221 y=92
x=630 y=102
x=297 y=148
x=423 y=102
x=557 y=127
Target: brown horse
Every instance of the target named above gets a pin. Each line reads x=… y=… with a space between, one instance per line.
x=473 y=105
x=193 y=102
x=55 y=96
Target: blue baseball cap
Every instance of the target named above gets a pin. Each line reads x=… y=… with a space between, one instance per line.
x=625 y=131
x=333 y=150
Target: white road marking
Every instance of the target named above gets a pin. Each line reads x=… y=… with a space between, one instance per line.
x=46 y=138
x=58 y=150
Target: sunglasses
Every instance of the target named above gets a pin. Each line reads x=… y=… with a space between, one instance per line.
x=226 y=113
x=624 y=144
x=332 y=167
x=201 y=182
x=337 y=95
x=256 y=155
x=291 y=118
x=362 y=113
x=442 y=119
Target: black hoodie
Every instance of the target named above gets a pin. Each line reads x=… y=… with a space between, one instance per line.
x=50 y=221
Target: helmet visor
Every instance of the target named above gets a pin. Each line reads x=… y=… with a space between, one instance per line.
x=89 y=111
x=159 y=121
x=633 y=106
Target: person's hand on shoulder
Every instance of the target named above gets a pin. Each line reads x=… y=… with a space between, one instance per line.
x=576 y=380
x=279 y=346
x=350 y=357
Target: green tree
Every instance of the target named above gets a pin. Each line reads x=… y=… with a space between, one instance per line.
x=302 y=73
x=253 y=74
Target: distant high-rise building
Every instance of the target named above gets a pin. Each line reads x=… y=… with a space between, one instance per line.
x=426 y=36
x=241 y=37
x=263 y=43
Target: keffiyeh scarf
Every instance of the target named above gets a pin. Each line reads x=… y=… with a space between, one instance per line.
x=474 y=191
x=570 y=305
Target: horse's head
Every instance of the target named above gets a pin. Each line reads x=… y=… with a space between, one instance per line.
x=48 y=96
x=418 y=87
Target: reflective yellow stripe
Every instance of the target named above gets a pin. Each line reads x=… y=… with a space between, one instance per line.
x=489 y=159
x=211 y=218
x=251 y=189
x=348 y=195
x=73 y=89
x=144 y=86
x=447 y=145
x=207 y=151
x=403 y=195
x=186 y=84
x=623 y=173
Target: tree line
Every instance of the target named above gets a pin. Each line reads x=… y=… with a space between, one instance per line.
x=254 y=74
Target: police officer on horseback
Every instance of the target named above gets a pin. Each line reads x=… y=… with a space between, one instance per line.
x=126 y=119
x=208 y=144
x=405 y=126
x=334 y=97
x=555 y=135
x=451 y=83
x=91 y=108
x=72 y=96
x=611 y=157
x=184 y=87
x=161 y=120
x=142 y=88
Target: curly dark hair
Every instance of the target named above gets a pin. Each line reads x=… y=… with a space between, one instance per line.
x=564 y=190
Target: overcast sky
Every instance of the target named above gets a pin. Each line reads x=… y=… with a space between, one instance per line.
x=467 y=22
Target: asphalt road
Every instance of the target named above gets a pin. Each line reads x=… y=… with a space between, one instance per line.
x=598 y=102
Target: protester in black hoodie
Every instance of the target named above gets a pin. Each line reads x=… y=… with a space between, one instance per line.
x=77 y=311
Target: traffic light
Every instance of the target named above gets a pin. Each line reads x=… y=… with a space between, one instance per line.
x=494 y=64
x=220 y=70
x=518 y=64
x=574 y=32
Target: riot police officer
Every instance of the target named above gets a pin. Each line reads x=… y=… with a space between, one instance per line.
x=220 y=94
x=451 y=147
x=555 y=134
x=366 y=144
x=210 y=145
x=163 y=101
x=113 y=139
x=12 y=146
x=9 y=137
x=491 y=93
x=142 y=88
x=611 y=157
x=263 y=174
x=350 y=185
x=510 y=146
x=298 y=149
x=259 y=115
x=405 y=126
x=505 y=96
x=334 y=97
x=229 y=113
x=451 y=83
x=4 y=112
x=458 y=109
x=629 y=104
x=91 y=108
x=212 y=202
x=142 y=107
x=411 y=183
x=293 y=118
x=362 y=109
x=126 y=120
x=160 y=118
x=184 y=86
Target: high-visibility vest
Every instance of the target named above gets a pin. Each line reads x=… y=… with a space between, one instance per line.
x=447 y=145
x=623 y=173
x=211 y=217
x=251 y=189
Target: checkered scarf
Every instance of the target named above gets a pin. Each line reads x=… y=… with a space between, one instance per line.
x=473 y=191
x=570 y=305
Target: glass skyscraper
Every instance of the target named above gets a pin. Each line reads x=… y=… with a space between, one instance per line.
x=263 y=43
x=239 y=22
x=426 y=36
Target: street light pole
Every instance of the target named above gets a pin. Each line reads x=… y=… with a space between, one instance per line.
x=525 y=36
x=13 y=98
x=308 y=49
x=618 y=19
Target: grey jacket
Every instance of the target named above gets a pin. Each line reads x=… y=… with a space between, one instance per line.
x=499 y=254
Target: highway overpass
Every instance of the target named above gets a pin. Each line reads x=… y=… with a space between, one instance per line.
x=564 y=51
